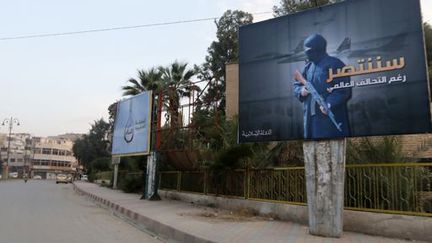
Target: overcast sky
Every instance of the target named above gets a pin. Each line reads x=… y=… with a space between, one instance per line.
x=62 y=84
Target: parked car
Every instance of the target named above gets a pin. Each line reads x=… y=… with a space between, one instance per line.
x=13 y=175
x=69 y=178
x=37 y=177
x=61 y=178
x=84 y=178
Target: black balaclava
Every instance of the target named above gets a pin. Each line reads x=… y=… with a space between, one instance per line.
x=315 y=48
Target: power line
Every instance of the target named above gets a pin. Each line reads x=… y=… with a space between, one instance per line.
x=115 y=28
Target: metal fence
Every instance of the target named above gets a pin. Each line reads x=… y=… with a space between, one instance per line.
x=389 y=188
x=122 y=175
x=104 y=175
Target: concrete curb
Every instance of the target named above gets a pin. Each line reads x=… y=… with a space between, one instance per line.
x=162 y=230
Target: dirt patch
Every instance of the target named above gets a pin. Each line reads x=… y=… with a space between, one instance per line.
x=215 y=215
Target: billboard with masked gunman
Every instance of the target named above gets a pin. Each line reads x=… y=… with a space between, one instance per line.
x=132 y=126
x=355 y=68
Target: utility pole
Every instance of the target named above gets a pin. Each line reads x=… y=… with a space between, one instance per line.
x=9 y=121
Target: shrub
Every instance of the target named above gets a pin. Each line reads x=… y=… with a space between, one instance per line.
x=132 y=183
x=374 y=150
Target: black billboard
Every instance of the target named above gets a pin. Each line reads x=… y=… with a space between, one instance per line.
x=355 y=68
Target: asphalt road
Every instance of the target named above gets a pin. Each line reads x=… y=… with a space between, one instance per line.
x=43 y=212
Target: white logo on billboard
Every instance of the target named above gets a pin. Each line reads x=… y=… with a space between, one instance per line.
x=129 y=128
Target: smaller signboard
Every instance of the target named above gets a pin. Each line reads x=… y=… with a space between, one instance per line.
x=132 y=126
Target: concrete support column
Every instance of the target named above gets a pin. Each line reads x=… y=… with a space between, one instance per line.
x=325 y=174
x=115 y=176
x=115 y=161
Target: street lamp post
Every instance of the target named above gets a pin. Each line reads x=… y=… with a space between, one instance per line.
x=10 y=122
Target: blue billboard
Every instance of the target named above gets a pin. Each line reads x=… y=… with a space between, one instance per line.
x=355 y=68
x=132 y=126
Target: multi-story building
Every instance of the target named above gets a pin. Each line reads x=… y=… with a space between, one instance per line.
x=2 y=139
x=52 y=155
x=39 y=156
x=19 y=152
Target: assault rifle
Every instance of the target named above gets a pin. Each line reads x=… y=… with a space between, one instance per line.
x=316 y=97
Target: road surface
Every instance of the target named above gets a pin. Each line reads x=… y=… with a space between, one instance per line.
x=43 y=212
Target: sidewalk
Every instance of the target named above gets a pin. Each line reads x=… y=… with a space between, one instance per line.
x=184 y=222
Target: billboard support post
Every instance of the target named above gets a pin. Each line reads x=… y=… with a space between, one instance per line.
x=115 y=176
x=151 y=187
x=115 y=162
x=151 y=192
x=325 y=173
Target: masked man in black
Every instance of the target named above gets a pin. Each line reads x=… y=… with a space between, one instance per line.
x=317 y=124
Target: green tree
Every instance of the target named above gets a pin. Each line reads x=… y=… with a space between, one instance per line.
x=293 y=6
x=428 y=37
x=173 y=82
x=98 y=136
x=209 y=115
x=176 y=84
x=112 y=112
x=221 y=51
x=147 y=80
x=93 y=145
x=82 y=151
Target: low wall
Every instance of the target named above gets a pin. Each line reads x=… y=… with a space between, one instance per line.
x=102 y=181
x=388 y=225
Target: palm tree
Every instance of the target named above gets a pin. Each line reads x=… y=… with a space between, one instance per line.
x=170 y=83
x=176 y=83
x=147 y=80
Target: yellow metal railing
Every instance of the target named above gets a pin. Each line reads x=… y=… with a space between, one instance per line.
x=396 y=188
x=279 y=184
x=404 y=188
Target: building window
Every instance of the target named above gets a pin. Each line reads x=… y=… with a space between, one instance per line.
x=45 y=162
x=55 y=152
x=46 y=151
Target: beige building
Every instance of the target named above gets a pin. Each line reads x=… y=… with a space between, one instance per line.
x=3 y=138
x=19 y=152
x=39 y=156
x=51 y=156
x=232 y=89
